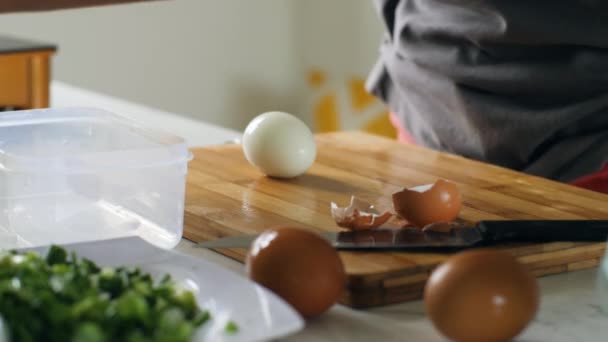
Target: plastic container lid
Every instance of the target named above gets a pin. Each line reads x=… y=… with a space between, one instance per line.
x=50 y=145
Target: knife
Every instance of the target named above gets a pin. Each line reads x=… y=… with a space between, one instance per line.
x=460 y=236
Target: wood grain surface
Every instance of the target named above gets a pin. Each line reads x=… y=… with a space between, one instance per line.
x=25 y=79
x=226 y=196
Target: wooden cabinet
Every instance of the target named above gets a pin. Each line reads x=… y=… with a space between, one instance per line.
x=25 y=73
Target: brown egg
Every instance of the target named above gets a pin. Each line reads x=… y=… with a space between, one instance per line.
x=299 y=266
x=481 y=295
x=439 y=202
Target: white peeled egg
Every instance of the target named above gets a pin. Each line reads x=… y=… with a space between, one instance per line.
x=279 y=145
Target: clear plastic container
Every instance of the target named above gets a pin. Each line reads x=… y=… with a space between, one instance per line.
x=80 y=174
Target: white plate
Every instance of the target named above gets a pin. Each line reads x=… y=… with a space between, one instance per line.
x=259 y=314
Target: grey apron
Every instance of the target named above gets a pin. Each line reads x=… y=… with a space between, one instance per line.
x=521 y=84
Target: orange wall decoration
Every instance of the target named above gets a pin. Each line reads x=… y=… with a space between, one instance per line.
x=344 y=104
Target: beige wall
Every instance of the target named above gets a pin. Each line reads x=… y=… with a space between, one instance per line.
x=340 y=35
x=223 y=61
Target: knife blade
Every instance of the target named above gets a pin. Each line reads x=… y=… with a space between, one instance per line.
x=460 y=236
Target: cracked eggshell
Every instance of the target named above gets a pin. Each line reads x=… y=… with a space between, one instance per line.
x=359 y=215
x=432 y=203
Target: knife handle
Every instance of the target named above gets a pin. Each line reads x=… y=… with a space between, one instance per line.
x=544 y=230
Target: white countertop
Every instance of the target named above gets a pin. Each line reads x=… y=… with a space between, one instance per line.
x=569 y=311
x=196 y=133
x=569 y=308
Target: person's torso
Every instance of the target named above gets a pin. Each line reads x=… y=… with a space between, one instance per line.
x=519 y=84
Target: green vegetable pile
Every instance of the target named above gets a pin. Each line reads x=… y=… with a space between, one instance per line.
x=61 y=298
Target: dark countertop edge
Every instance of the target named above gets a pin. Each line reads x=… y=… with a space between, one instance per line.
x=29 y=49
x=12 y=44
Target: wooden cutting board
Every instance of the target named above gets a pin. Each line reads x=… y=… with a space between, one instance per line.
x=226 y=196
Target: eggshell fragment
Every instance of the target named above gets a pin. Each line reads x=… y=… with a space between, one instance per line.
x=431 y=203
x=359 y=215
